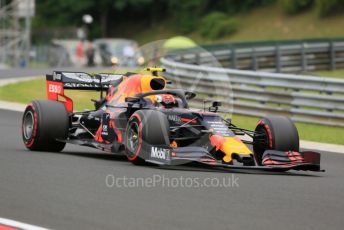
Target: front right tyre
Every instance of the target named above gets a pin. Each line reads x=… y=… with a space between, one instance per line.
x=275 y=133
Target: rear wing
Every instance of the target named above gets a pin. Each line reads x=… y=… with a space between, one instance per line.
x=84 y=81
x=60 y=80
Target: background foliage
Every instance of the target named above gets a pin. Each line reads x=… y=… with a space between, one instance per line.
x=211 y=18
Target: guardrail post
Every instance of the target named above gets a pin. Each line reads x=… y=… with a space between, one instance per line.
x=278 y=59
x=332 y=56
x=304 y=57
x=197 y=59
x=329 y=93
x=233 y=58
x=182 y=59
x=254 y=60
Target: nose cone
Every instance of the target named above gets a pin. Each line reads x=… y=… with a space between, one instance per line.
x=229 y=145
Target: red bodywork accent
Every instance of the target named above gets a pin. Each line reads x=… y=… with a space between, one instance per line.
x=186 y=120
x=112 y=124
x=217 y=141
x=110 y=93
x=6 y=227
x=268 y=161
x=312 y=157
x=295 y=158
x=208 y=161
x=98 y=136
x=55 y=92
x=129 y=87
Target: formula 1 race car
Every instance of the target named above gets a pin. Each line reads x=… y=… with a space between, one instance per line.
x=149 y=123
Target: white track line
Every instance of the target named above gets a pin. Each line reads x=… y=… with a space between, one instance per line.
x=322 y=146
x=20 y=225
x=7 y=81
x=12 y=106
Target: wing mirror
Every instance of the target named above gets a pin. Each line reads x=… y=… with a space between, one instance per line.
x=189 y=95
x=215 y=106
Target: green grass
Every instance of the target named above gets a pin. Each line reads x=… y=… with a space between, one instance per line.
x=271 y=23
x=24 y=92
x=333 y=74
x=264 y=23
x=310 y=132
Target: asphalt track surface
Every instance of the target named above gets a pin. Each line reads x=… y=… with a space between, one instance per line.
x=69 y=191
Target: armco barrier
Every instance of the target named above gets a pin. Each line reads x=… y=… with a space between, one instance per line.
x=303 y=98
x=292 y=56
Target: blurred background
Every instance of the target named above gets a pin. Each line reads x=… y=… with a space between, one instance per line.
x=38 y=34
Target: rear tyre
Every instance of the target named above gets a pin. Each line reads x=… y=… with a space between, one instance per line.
x=275 y=133
x=145 y=127
x=43 y=123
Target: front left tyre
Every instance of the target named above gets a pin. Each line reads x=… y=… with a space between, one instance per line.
x=44 y=123
x=145 y=128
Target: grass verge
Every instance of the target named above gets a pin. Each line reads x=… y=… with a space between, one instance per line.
x=310 y=132
x=260 y=24
x=26 y=91
x=333 y=74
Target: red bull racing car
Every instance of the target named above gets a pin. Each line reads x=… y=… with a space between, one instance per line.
x=142 y=118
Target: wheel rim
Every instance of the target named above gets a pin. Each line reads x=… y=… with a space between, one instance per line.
x=133 y=140
x=28 y=125
x=262 y=139
x=261 y=143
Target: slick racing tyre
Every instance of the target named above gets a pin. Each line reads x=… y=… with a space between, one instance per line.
x=275 y=133
x=43 y=123
x=145 y=128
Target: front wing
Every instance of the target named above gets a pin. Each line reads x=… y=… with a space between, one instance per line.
x=272 y=160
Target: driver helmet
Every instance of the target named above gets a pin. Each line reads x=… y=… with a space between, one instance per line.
x=166 y=100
